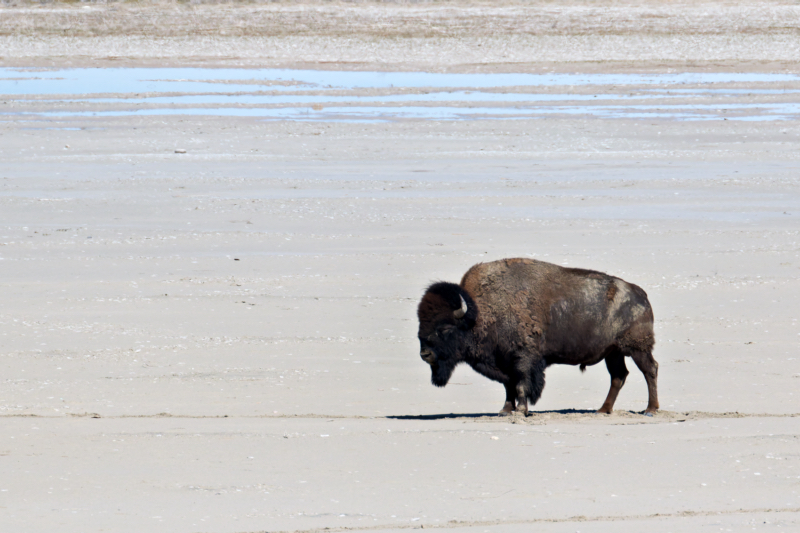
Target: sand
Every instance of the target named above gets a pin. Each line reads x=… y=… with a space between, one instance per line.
x=224 y=339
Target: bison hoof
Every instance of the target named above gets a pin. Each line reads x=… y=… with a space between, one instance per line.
x=604 y=411
x=508 y=408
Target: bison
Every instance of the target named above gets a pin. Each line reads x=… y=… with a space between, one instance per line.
x=511 y=319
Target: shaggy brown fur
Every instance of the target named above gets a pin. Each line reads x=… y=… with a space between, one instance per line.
x=524 y=315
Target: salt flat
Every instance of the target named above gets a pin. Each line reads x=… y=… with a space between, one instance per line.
x=208 y=323
x=242 y=474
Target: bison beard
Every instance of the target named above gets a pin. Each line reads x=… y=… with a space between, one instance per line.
x=511 y=319
x=441 y=372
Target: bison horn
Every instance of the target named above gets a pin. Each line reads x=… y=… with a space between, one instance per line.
x=459 y=313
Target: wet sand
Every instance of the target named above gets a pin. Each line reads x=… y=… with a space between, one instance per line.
x=208 y=322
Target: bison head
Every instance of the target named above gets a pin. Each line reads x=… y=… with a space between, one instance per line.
x=446 y=315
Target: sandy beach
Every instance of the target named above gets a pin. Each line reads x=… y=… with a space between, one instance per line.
x=210 y=276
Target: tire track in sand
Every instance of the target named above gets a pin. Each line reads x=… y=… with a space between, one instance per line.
x=572 y=519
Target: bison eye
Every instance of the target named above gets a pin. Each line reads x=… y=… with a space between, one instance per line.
x=444 y=332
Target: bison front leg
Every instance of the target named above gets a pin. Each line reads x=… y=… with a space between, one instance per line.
x=522 y=399
x=530 y=375
x=511 y=392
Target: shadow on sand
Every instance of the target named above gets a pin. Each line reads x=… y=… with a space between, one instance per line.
x=532 y=414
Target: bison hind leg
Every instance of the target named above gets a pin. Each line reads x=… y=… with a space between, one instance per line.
x=649 y=367
x=638 y=344
x=615 y=362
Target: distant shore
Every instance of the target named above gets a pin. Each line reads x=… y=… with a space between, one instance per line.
x=459 y=36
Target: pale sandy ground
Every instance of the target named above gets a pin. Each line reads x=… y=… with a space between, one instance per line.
x=224 y=340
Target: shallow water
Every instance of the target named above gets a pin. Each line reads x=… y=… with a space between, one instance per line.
x=789 y=111
x=137 y=80
x=310 y=95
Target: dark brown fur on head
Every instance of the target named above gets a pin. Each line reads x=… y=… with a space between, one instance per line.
x=439 y=303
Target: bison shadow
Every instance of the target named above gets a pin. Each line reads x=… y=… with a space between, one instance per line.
x=532 y=414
